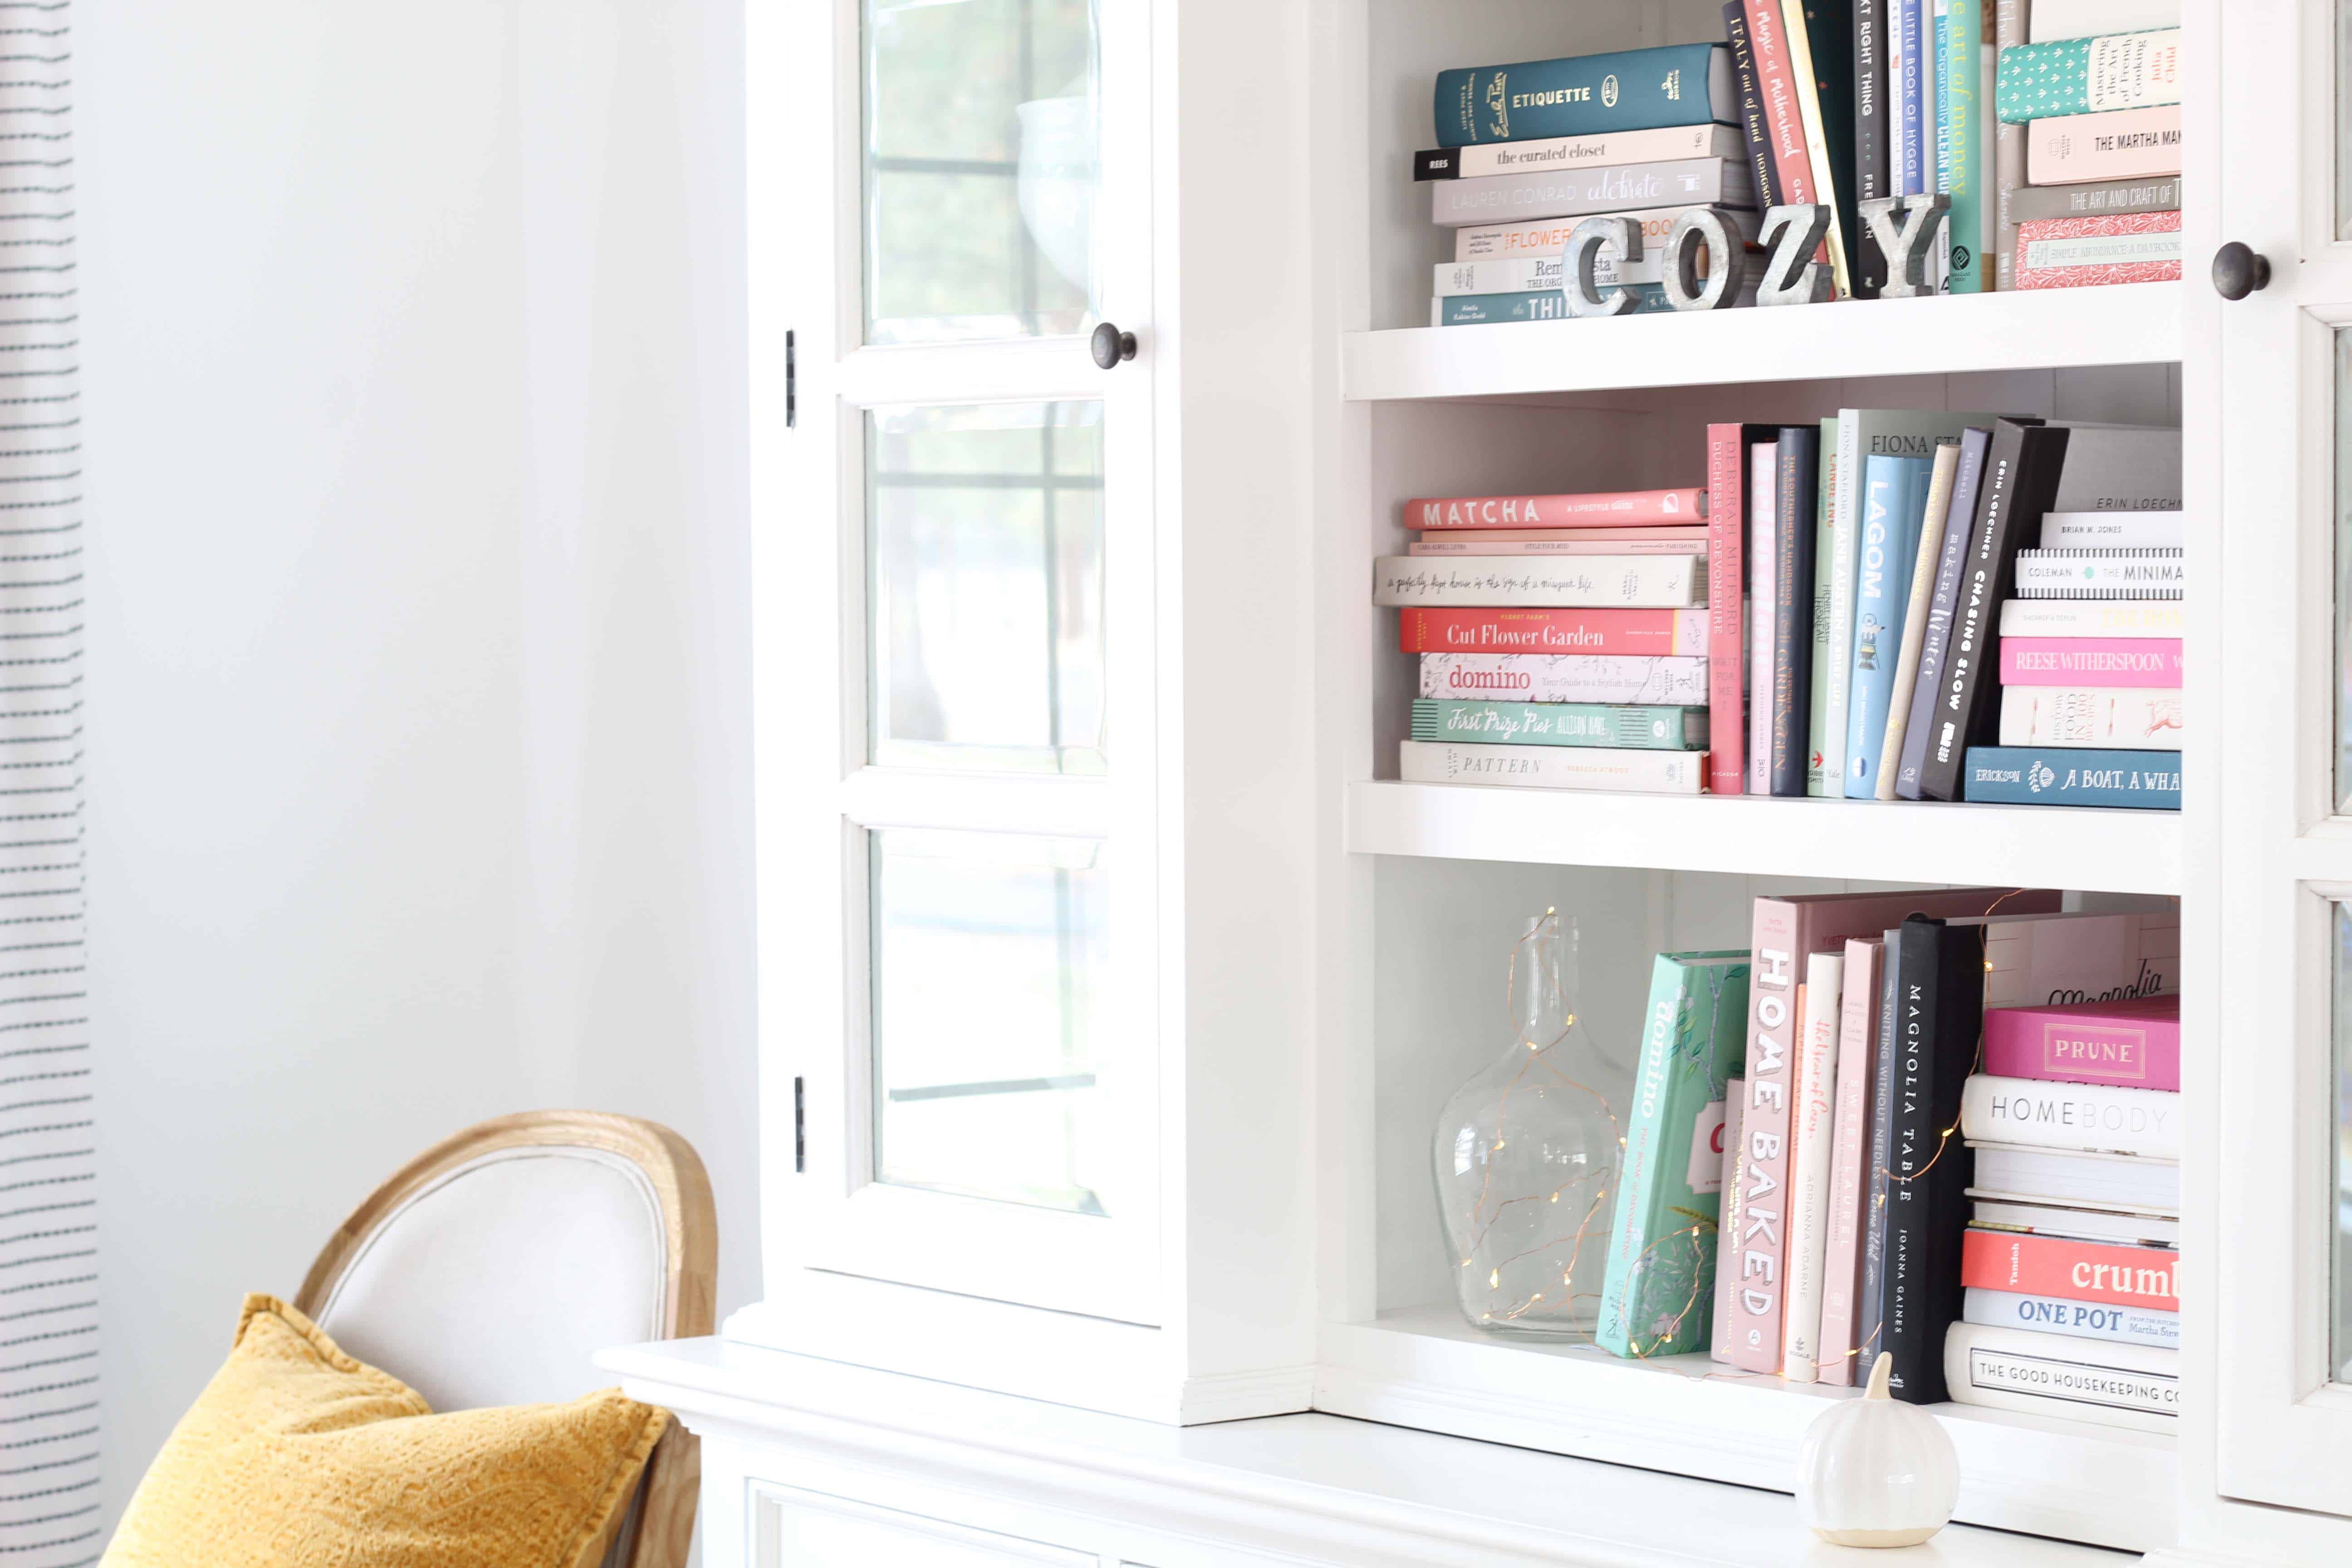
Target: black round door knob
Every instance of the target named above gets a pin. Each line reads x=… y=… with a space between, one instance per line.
x=1111 y=345
x=2237 y=271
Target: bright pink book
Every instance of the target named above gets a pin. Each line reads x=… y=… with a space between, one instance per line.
x=2134 y=1042
x=1857 y=1061
x=1601 y=509
x=2090 y=661
x=1726 y=623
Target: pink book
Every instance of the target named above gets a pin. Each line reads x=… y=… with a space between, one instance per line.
x=1728 y=1225
x=1601 y=509
x=1690 y=532
x=2118 y=144
x=2081 y=252
x=1441 y=545
x=1786 y=930
x=1727 y=625
x=2090 y=661
x=1857 y=1059
x=2134 y=1042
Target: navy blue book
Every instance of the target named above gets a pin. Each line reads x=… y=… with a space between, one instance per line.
x=1634 y=89
x=2032 y=775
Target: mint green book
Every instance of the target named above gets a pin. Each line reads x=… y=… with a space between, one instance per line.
x=1658 y=1294
x=1626 y=726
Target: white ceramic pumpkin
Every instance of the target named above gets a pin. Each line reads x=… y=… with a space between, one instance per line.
x=1874 y=1471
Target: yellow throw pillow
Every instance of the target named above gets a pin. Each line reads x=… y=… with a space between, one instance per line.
x=296 y=1454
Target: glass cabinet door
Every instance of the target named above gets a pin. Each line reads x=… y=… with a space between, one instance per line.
x=2281 y=823
x=955 y=606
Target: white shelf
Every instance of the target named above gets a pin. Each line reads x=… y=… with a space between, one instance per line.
x=2133 y=323
x=1900 y=841
x=1688 y=1415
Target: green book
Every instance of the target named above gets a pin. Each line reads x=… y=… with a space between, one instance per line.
x=1961 y=61
x=1627 y=727
x=1658 y=1295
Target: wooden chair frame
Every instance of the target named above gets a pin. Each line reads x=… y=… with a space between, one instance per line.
x=665 y=1496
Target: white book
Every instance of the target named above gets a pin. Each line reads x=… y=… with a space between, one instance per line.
x=2095 y=1116
x=1535 y=582
x=1552 y=767
x=2083 y=1319
x=2003 y=1213
x=1665 y=680
x=2109 y=1383
x=2117 y=718
x=2051 y=20
x=1548 y=236
x=1604 y=147
x=2034 y=1175
x=2110 y=574
x=2091 y=618
x=1763 y=471
x=2112 y=530
x=1531 y=273
x=1812 y=1109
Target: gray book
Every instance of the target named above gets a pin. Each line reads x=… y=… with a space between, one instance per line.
x=2100 y=199
x=1574 y=192
x=2118 y=467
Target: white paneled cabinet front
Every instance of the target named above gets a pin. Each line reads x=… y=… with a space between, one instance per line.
x=799 y=1528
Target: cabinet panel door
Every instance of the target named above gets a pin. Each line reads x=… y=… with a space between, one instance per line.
x=2276 y=605
x=798 y=1529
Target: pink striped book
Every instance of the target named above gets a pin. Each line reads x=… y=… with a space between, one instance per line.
x=2085 y=252
x=1441 y=545
x=1600 y=508
x=2090 y=661
x=1857 y=1059
x=2134 y=1042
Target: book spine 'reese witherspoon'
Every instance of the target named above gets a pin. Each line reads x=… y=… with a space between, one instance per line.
x=1600 y=508
x=2127 y=144
x=2117 y=1274
x=1561 y=724
x=1636 y=632
x=2031 y=775
x=1727 y=629
x=1573 y=581
x=1566 y=677
x=1553 y=767
x=2089 y=1118
x=2112 y=1385
x=2084 y=661
x=1634 y=89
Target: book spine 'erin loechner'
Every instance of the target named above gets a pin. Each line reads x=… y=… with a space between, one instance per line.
x=1965 y=267
x=2032 y=775
x=2091 y=618
x=1757 y=139
x=1727 y=459
x=1870 y=181
x=1763 y=511
x=1792 y=603
x=1572 y=582
x=1776 y=80
x=2118 y=1273
x=1818 y=762
x=2089 y=252
x=1561 y=724
x=1730 y=1207
x=2090 y=661
x=2135 y=719
x=1599 y=509
x=2083 y=1319
x=1811 y=1117
x=2099 y=1119
x=1567 y=152
x=1636 y=89
x=1566 y=677
x=2008 y=150
x=1917 y=601
x=1820 y=45
x=1570 y=193
x=2127 y=144
x=1939 y=972
x=2111 y=199
x=1553 y=767
x=2121 y=1385
x=2090 y=76
x=1548 y=236
x=1857 y=1054
x=1881 y=581
x=2134 y=1044
x=1870 y=1307
x=2021 y=477
x=1670 y=632
x=1935 y=638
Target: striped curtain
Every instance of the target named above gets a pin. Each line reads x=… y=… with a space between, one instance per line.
x=49 y=1514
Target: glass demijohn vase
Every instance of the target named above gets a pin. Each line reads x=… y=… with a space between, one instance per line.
x=1526 y=1156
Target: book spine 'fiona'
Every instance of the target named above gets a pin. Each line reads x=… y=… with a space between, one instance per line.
x=2072 y=1270
x=1600 y=508
x=1671 y=632
x=2031 y=775
x=1727 y=632
x=1634 y=89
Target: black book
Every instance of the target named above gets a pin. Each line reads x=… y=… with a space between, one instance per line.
x=1871 y=171
x=1795 y=521
x=1938 y=1015
x=1866 y=1324
x=2020 y=481
x=1829 y=34
x=1967 y=483
x=1751 y=105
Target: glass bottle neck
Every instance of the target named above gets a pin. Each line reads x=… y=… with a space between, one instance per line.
x=1543 y=980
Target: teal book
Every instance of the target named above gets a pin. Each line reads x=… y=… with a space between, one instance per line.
x=1534 y=305
x=2088 y=76
x=1963 y=63
x=1817 y=779
x=1893 y=502
x=1626 y=726
x=1658 y=1293
x=1632 y=89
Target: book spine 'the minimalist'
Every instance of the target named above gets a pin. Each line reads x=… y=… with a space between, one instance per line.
x=1634 y=89
x=2157 y=572
x=1727 y=724
x=1567 y=677
x=1553 y=767
x=2126 y=718
x=1561 y=724
x=2090 y=76
x=2126 y=144
x=2083 y=1319
x=2032 y=775
x=2086 y=1116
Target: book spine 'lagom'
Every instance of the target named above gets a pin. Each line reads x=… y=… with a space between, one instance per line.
x=1561 y=724
x=2030 y=775
x=1634 y=89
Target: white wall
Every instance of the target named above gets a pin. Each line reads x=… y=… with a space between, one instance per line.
x=419 y=768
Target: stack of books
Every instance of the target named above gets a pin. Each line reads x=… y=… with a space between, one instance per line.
x=1562 y=639
x=1528 y=151
x=2089 y=146
x=2072 y=1301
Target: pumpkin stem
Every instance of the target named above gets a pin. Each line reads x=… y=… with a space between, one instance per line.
x=1879 y=1372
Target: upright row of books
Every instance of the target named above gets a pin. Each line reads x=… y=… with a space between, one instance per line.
x=1886 y=605
x=2072 y=179
x=2025 y=1262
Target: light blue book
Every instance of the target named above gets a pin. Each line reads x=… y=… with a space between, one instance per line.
x=1894 y=499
